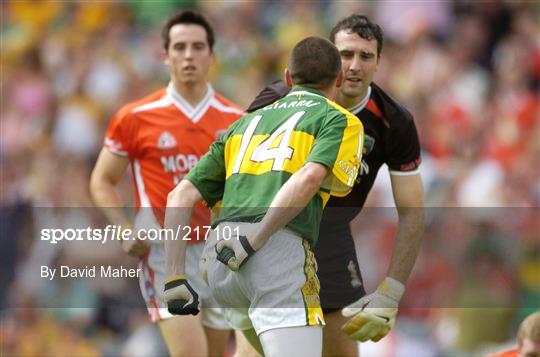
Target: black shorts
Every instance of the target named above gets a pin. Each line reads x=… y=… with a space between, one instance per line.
x=339 y=273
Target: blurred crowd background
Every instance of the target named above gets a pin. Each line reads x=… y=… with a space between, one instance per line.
x=469 y=72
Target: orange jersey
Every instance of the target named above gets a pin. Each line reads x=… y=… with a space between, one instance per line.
x=164 y=137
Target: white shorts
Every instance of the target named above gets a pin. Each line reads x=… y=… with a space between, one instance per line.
x=152 y=283
x=277 y=287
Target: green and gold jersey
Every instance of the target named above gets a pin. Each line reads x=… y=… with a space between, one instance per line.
x=247 y=166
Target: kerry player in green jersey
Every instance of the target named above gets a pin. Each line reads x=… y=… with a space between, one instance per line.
x=272 y=172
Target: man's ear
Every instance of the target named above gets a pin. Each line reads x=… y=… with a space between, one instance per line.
x=340 y=78
x=288 y=79
x=165 y=57
x=378 y=63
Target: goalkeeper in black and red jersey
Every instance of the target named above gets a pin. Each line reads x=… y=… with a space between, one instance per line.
x=390 y=138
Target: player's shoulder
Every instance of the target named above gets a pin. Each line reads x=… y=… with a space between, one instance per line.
x=336 y=108
x=384 y=106
x=272 y=92
x=225 y=105
x=337 y=111
x=279 y=87
x=153 y=100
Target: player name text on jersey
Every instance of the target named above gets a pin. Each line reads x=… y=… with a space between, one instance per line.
x=293 y=104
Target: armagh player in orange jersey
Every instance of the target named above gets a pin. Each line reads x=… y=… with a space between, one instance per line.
x=163 y=136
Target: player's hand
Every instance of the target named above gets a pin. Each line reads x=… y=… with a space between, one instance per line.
x=236 y=251
x=374 y=315
x=135 y=247
x=180 y=297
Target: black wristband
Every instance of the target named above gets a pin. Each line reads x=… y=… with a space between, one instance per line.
x=175 y=283
x=245 y=244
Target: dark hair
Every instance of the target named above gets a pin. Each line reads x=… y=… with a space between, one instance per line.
x=187 y=17
x=363 y=27
x=314 y=62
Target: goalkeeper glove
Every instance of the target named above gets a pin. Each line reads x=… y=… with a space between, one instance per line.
x=374 y=315
x=180 y=297
x=234 y=252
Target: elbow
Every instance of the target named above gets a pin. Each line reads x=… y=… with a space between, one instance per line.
x=174 y=197
x=412 y=216
x=413 y=212
x=183 y=195
x=312 y=182
x=419 y=217
x=313 y=177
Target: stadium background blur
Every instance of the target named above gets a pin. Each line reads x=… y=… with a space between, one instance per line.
x=468 y=71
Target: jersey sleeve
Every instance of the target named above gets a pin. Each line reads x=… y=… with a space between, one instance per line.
x=403 y=147
x=338 y=146
x=269 y=95
x=209 y=174
x=119 y=133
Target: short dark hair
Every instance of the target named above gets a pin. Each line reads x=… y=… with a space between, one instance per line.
x=187 y=17
x=363 y=27
x=314 y=62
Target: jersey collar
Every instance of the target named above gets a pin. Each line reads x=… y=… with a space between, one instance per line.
x=192 y=113
x=358 y=107
x=299 y=90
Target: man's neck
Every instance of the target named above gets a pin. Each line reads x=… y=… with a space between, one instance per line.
x=327 y=92
x=350 y=102
x=192 y=93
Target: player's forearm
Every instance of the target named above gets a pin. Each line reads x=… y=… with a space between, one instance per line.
x=175 y=250
x=293 y=196
x=107 y=199
x=406 y=243
x=180 y=204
